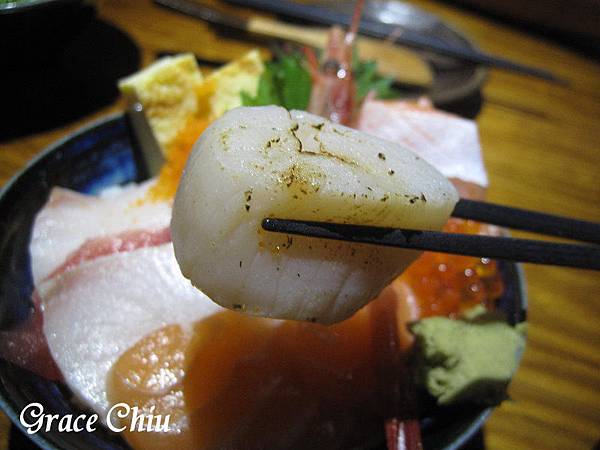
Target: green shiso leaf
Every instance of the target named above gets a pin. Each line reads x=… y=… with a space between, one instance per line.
x=368 y=80
x=286 y=82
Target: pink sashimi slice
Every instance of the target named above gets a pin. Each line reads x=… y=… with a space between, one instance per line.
x=468 y=190
x=97 y=310
x=69 y=219
x=26 y=346
x=126 y=241
x=449 y=143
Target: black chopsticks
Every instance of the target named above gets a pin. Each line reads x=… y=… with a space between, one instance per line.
x=323 y=15
x=523 y=219
x=512 y=249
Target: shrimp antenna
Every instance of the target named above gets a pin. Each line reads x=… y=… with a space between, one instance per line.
x=355 y=24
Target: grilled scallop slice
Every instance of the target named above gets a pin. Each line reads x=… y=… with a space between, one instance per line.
x=269 y=162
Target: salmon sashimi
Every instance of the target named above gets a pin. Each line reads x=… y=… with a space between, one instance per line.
x=239 y=381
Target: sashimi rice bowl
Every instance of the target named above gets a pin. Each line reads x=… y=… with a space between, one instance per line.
x=160 y=306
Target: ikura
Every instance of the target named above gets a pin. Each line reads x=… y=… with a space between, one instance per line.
x=446 y=285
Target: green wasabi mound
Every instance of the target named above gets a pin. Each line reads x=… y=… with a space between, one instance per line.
x=468 y=359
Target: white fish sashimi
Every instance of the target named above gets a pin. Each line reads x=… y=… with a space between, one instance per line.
x=69 y=219
x=268 y=162
x=449 y=143
x=97 y=310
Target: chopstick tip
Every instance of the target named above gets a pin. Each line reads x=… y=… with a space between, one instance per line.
x=269 y=224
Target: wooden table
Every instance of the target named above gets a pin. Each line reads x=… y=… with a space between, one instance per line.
x=542 y=149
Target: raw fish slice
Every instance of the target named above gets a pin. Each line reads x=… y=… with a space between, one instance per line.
x=449 y=143
x=469 y=190
x=25 y=345
x=96 y=311
x=69 y=219
x=260 y=162
x=107 y=245
x=242 y=382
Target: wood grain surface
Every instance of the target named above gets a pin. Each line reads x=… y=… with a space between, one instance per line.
x=541 y=144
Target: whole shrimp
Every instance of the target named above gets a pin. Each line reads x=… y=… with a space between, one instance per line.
x=333 y=96
x=333 y=89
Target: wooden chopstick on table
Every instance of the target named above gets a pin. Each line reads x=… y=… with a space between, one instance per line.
x=512 y=249
x=328 y=17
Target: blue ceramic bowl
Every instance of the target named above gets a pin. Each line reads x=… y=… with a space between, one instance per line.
x=102 y=155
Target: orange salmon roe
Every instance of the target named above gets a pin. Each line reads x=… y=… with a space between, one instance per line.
x=177 y=153
x=446 y=285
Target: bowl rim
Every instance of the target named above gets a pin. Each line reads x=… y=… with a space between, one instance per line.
x=40 y=439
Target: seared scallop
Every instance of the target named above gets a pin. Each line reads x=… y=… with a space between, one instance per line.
x=262 y=162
